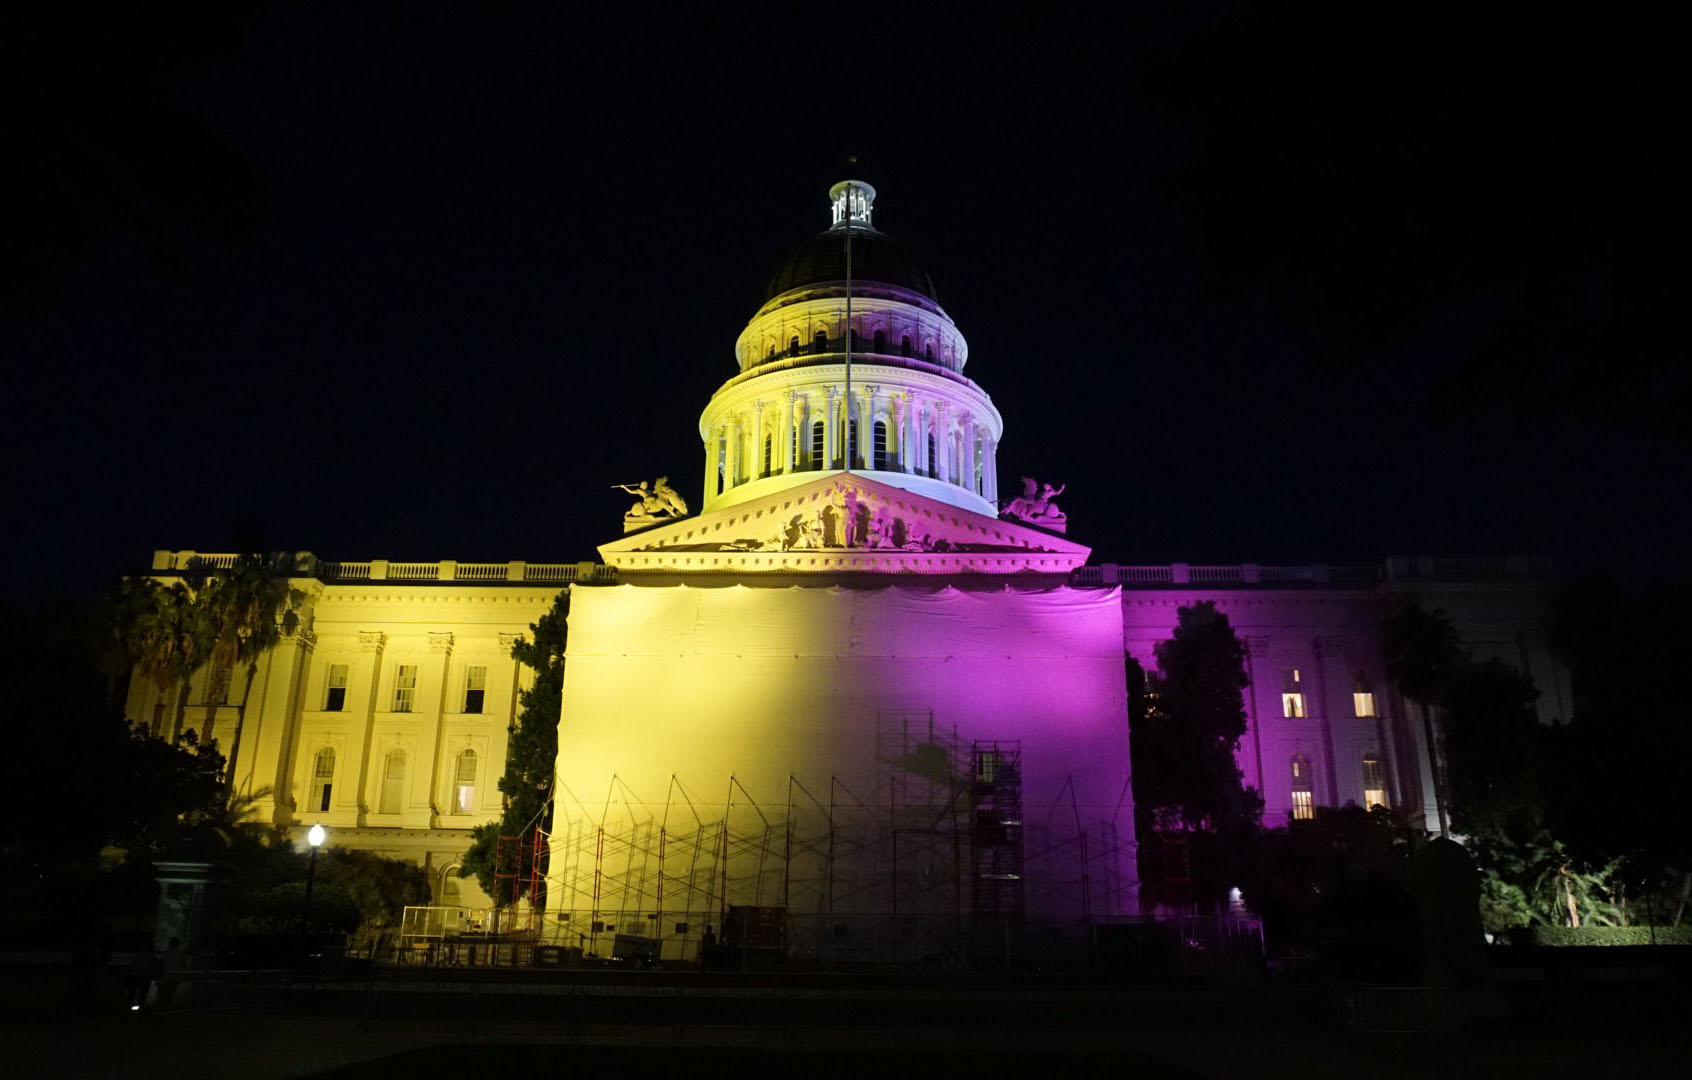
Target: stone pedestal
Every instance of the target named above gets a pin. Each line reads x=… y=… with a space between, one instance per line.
x=190 y=900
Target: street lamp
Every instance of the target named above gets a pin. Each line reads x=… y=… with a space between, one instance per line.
x=315 y=838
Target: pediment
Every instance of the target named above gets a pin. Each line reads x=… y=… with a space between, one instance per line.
x=844 y=523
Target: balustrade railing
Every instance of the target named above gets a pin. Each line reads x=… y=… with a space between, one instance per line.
x=446 y=571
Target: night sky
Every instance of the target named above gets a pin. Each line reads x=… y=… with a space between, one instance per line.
x=414 y=283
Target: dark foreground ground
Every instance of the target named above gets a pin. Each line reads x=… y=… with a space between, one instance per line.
x=652 y=1024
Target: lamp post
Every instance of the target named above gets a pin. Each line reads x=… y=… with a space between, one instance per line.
x=315 y=838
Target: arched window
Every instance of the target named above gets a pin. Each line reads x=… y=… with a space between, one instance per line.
x=722 y=465
x=393 y=782
x=1303 y=793
x=1374 y=783
x=464 y=783
x=878 y=444
x=771 y=354
x=323 y=778
x=933 y=466
x=854 y=333
x=905 y=345
x=793 y=345
x=880 y=341
x=928 y=352
x=820 y=342
x=816 y=452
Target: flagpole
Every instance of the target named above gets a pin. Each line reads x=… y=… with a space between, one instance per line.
x=853 y=437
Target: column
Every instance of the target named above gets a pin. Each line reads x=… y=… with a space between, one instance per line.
x=919 y=434
x=758 y=471
x=866 y=425
x=967 y=469
x=1327 y=648
x=942 y=442
x=802 y=441
x=713 y=442
x=371 y=643
x=831 y=426
x=440 y=644
x=731 y=463
x=265 y=757
x=990 y=469
x=784 y=432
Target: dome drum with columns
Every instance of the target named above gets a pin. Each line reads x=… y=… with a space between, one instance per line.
x=787 y=416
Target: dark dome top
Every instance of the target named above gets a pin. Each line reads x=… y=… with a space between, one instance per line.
x=875 y=257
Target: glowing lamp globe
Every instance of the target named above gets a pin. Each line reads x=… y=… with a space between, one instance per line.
x=315 y=836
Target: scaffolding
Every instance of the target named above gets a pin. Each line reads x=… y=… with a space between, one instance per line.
x=925 y=861
x=998 y=897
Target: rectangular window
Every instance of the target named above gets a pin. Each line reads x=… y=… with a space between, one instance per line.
x=1292 y=694
x=405 y=687
x=1303 y=809
x=464 y=784
x=1374 y=783
x=1362 y=698
x=335 y=692
x=475 y=688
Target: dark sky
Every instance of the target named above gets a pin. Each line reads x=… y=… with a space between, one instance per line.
x=423 y=284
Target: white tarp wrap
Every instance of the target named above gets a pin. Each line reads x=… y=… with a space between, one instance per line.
x=673 y=690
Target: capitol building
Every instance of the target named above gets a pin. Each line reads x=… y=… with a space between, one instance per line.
x=859 y=692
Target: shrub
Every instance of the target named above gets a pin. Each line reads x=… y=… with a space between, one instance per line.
x=1611 y=935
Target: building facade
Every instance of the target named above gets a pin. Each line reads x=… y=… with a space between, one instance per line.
x=849 y=688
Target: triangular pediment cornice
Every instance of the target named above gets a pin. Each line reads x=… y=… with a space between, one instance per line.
x=845 y=523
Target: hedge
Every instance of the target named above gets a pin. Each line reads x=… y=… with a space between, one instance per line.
x=1612 y=935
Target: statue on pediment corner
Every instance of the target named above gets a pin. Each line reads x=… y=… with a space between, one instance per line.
x=1037 y=506
x=655 y=502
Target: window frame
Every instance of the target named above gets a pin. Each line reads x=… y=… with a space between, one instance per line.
x=405 y=693
x=331 y=702
x=471 y=671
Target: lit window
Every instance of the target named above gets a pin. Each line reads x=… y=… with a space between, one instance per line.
x=464 y=783
x=475 y=688
x=405 y=687
x=878 y=445
x=1303 y=797
x=1292 y=693
x=1362 y=698
x=323 y=778
x=335 y=689
x=393 y=782
x=1374 y=783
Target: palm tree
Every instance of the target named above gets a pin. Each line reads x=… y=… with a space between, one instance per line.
x=1423 y=656
x=246 y=607
x=172 y=641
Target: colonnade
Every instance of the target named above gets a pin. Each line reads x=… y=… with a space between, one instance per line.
x=923 y=435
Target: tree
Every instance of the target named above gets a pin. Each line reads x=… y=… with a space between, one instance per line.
x=1186 y=727
x=246 y=608
x=1423 y=657
x=1624 y=654
x=213 y=618
x=531 y=751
